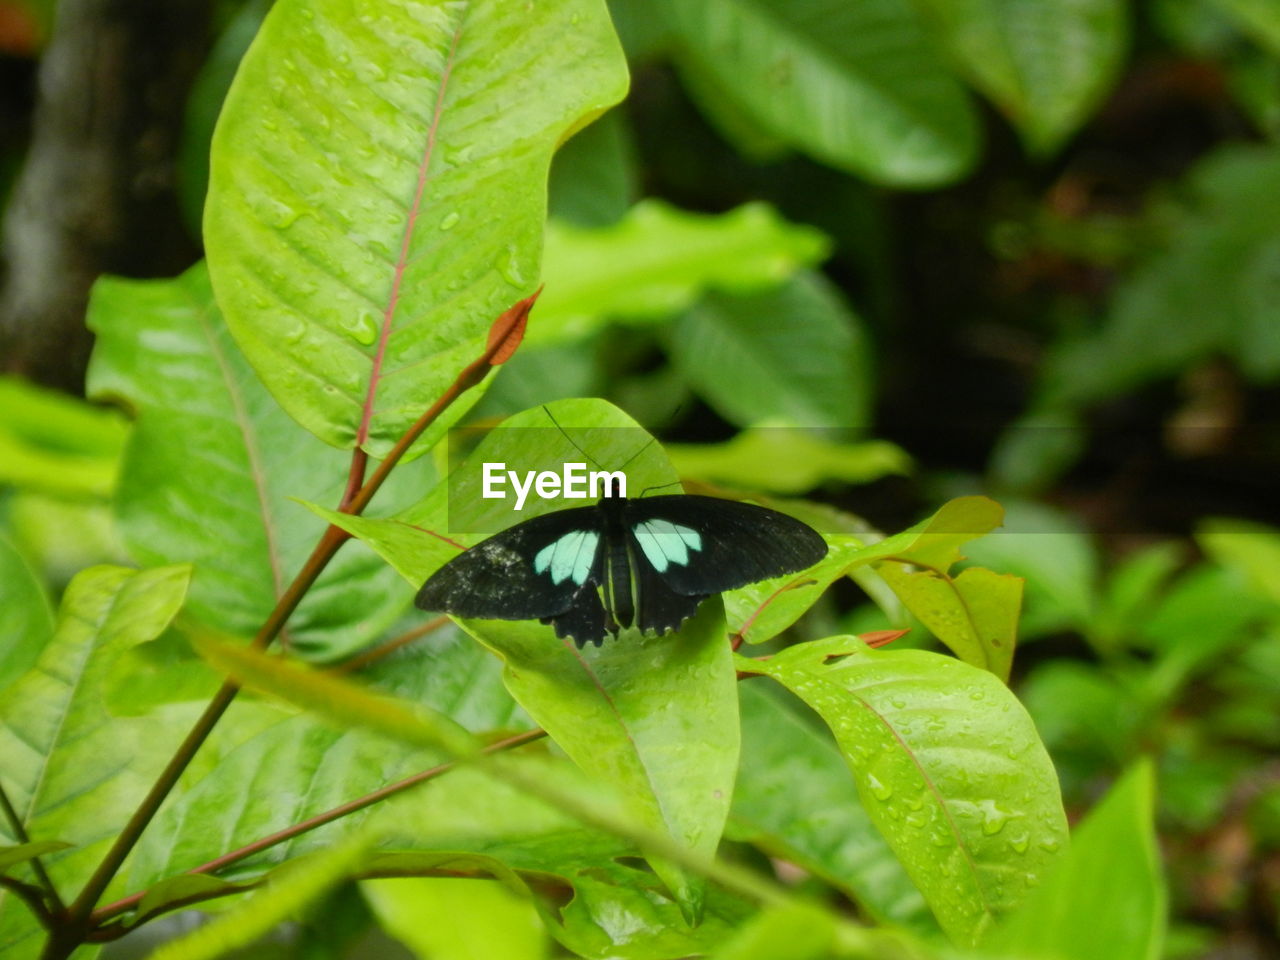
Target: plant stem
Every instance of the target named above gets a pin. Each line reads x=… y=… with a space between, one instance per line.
x=113 y=910
x=20 y=834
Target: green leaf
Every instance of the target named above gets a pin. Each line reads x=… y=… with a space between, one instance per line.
x=1106 y=898
x=28 y=617
x=786 y=461
x=71 y=770
x=975 y=614
x=800 y=347
x=475 y=919
x=364 y=230
x=289 y=890
x=658 y=259
x=949 y=768
x=55 y=444
x=853 y=85
x=211 y=466
x=12 y=855
x=658 y=716
x=1260 y=18
x=594 y=176
x=795 y=800
x=1046 y=66
x=763 y=610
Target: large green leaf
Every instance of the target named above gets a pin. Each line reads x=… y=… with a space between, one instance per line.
x=795 y=800
x=73 y=772
x=855 y=85
x=1045 y=65
x=800 y=347
x=655 y=715
x=28 y=618
x=658 y=716
x=658 y=260
x=378 y=189
x=949 y=768
x=213 y=463
x=1106 y=898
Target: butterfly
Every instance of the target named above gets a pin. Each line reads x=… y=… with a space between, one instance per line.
x=592 y=571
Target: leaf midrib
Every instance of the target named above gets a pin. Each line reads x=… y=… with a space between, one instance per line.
x=954 y=829
x=402 y=263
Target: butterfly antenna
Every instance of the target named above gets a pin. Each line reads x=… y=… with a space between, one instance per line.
x=659 y=486
x=565 y=433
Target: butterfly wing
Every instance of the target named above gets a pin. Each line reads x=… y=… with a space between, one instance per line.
x=538 y=569
x=698 y=546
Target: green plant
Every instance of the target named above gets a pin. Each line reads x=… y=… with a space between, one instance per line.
x=375 y=230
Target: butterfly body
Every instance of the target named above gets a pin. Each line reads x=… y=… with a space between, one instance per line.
x=647 y=562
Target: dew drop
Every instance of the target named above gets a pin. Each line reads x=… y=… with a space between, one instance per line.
x=450 y=221
x=1019 y=844
x=364 y=328
x=509 y=269
x=284 y=215
x=881 y=791
x=993 y=818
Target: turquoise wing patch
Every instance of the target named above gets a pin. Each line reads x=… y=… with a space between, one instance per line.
x=665 y=543
x=568 y=557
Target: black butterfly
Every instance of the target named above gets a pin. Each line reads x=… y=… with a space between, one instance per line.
x=591 y=571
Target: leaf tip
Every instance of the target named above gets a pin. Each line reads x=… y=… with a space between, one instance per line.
x=507 y=331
